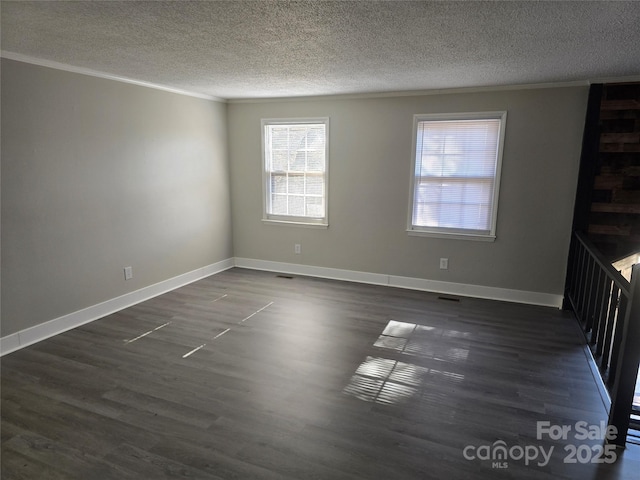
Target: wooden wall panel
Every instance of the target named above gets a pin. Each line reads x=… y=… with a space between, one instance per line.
x=614 y=219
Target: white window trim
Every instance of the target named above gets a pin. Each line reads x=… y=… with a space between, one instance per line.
x=438 y=232
x=287 y=220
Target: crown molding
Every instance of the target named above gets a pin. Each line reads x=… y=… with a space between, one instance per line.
x=18 y=57
x=627 y=79
x=414 y=93
x=306 y=98
x=438 y=91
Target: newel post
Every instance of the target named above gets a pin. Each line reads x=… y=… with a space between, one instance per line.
x=628 y=361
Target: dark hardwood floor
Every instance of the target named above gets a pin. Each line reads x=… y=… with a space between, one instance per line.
x=249 y=375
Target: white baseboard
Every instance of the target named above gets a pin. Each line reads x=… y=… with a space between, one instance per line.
x=311 y=271
x=412 y=283
x=29 y=336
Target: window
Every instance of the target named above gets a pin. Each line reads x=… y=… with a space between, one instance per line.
x=456 y=175
x=295 y=170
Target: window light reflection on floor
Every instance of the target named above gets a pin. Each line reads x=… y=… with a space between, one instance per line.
x=389 y=381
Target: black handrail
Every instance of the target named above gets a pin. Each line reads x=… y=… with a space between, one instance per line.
x=602 y=300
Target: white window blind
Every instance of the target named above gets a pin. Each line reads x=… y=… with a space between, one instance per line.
x=295 y=159
x=456 y=175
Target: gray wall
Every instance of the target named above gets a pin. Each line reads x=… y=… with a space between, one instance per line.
x=97 y=175
x=370 y=160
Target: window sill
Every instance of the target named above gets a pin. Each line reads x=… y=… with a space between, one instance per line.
x=291 y=223
x=453 y=236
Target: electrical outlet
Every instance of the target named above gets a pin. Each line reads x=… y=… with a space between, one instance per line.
x=297 y=249
x=444 y=264
x=128 y=273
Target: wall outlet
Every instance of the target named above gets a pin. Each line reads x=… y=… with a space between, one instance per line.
x=297 y=249
x=128 y=273
x=444 y=264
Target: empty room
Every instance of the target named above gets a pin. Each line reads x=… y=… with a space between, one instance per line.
x=320 y=240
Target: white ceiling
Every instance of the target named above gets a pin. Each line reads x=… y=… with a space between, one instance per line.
x=259 y=49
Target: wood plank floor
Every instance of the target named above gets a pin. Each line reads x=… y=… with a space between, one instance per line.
x=249 y=375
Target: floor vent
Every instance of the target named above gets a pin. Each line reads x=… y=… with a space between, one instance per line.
x=450 y=299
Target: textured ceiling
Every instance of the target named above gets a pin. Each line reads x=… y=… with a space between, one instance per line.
x=254 y=49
